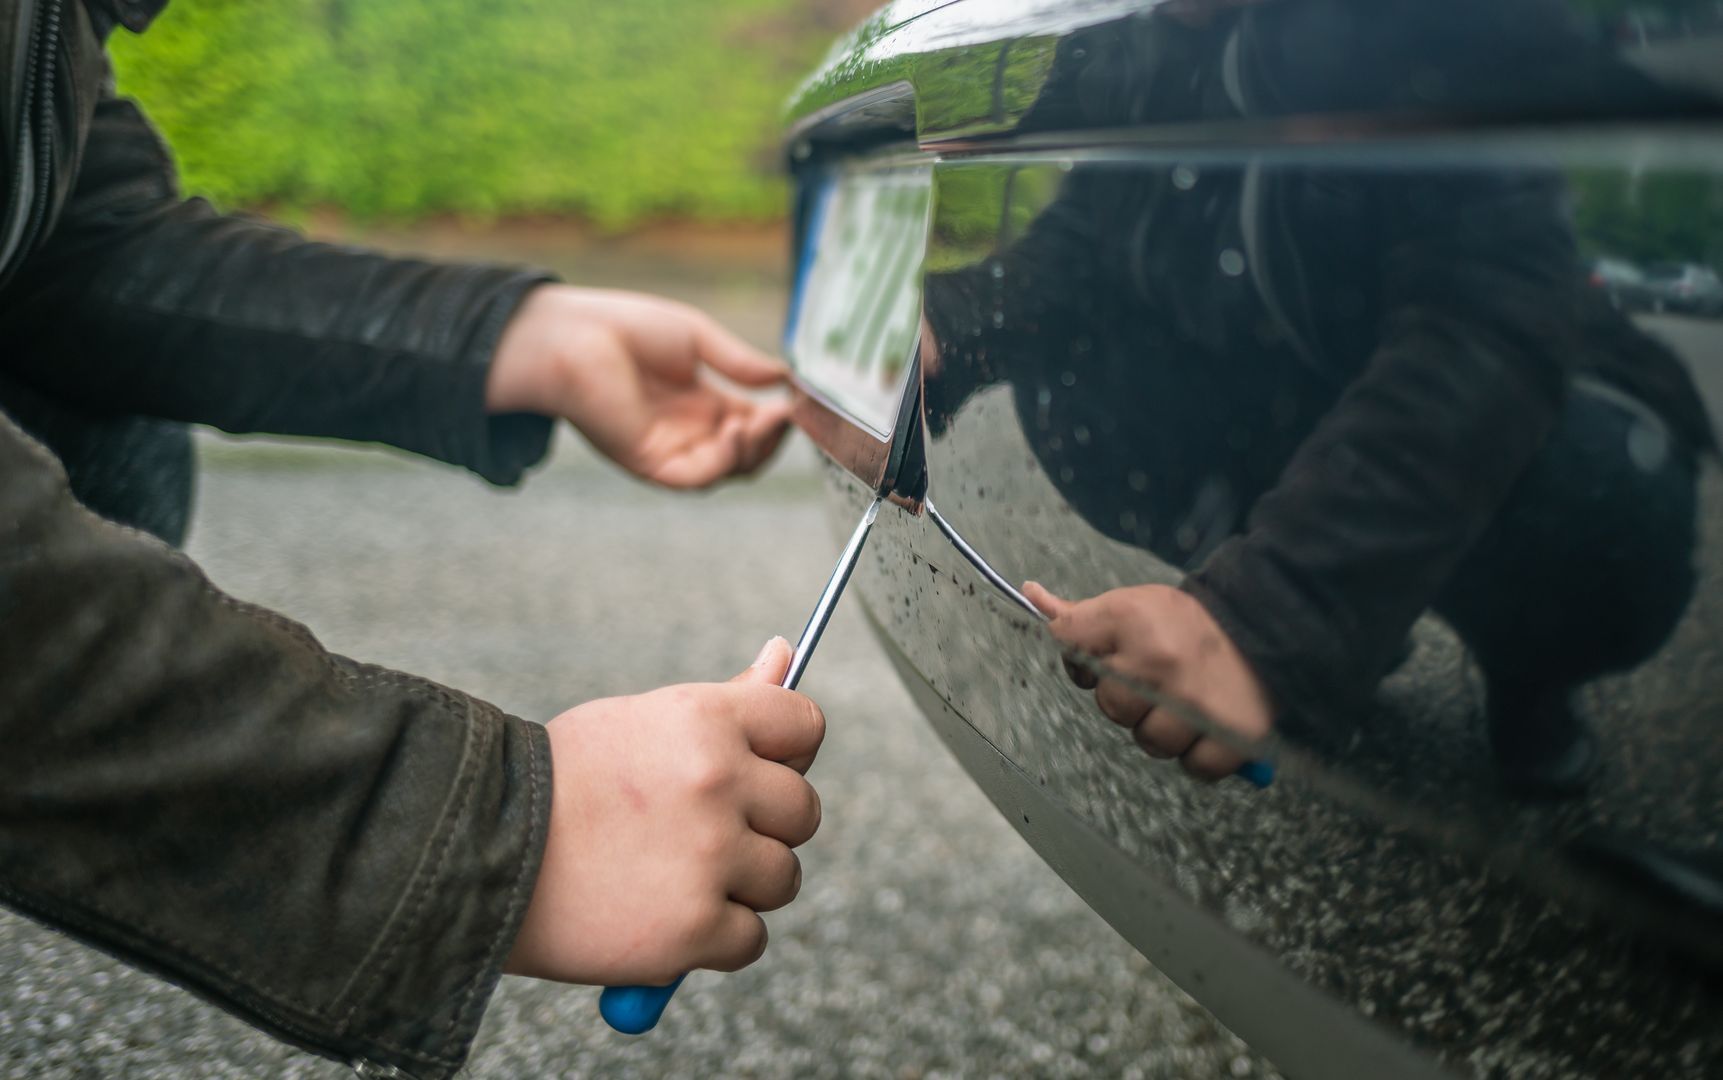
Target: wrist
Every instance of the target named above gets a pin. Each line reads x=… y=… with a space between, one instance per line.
x=526 y=369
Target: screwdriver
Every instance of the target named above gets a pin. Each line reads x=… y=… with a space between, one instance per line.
x=634 y=1010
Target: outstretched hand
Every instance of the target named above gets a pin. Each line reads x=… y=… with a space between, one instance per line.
x=1164 y=640
x=626 y=369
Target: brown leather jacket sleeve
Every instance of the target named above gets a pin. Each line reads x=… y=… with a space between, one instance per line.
x=337 y=853
x=144 y=302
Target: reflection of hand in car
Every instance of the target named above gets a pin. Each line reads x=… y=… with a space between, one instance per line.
x=1167 y=641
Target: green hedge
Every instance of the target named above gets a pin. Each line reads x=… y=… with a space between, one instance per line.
x=614 y=111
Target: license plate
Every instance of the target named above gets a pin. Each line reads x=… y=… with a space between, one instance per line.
x=856 y=309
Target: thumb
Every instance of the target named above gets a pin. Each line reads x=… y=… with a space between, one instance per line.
x=770 y=666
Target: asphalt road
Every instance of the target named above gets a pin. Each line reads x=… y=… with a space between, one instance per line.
x=929 y=941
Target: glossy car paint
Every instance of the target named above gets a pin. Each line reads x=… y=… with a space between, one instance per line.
x=1128 y=332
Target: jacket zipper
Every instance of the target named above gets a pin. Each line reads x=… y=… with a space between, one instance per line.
x=50 y=46
x=38 y=98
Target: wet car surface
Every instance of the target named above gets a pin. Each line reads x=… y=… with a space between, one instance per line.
x=1288 y=304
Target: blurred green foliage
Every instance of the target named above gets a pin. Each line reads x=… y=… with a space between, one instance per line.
x=616 y=112
x=1674 y=216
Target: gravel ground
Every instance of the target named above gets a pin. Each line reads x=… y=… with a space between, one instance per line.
x=928 y=941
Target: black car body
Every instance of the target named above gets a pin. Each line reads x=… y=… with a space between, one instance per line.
x=1099 y=290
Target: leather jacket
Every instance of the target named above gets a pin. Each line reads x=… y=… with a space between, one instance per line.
x=337 y=853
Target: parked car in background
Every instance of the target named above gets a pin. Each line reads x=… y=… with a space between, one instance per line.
x=1623 y=282
x=1684 y=287
x=1263 y=315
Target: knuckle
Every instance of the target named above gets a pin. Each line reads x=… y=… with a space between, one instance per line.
x=780 y=883
x=1210 y=759
x=815 y=720
x=1118 y=703
x=760 y=938
x=683 y=702
x=812 y=812
x=745 y=945
x=707 y=775
x=1162 y=736
x=705 y=919
x=1203 y=771
x=708 y=845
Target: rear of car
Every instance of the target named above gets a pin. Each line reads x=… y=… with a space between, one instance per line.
x=1085 y=285
x=1623 y=282
x=1685 y=287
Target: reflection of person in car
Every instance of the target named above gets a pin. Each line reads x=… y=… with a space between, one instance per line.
x=1336 y=398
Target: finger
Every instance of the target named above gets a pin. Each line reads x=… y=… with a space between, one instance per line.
x=780 y=725
x=770 y=666
x=763 y=431
x=1121 y=704
x=1079 y=671
x=1053 y=607
x=1163 y=734
x=1211 y=759
x=768 y=875
x=1091 y=625
x=704 y=463
x=780 y=804
x=1050 y=605
x=734 y=358
x=736 y=939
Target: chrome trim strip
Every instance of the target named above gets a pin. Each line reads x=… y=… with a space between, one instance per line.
x=994 y=577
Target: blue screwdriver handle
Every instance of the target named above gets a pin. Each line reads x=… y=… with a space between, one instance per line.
x=634 y=1010
x=1258 y=774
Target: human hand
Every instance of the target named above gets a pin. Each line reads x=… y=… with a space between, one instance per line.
x=625 y=369
x=672 y=819
x=1163 y=640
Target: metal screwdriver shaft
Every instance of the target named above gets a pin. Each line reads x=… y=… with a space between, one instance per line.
x=635 y=1010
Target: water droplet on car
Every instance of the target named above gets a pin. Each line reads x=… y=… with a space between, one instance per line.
x=1138 y=479
x=1068 y=378
x=1081 y=434
x=998 y=319
x=1184 y=178
x=997 y=269
x=1231 y=262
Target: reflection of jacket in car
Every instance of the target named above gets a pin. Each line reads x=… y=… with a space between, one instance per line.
x=1311 y=386
x=338 y=853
